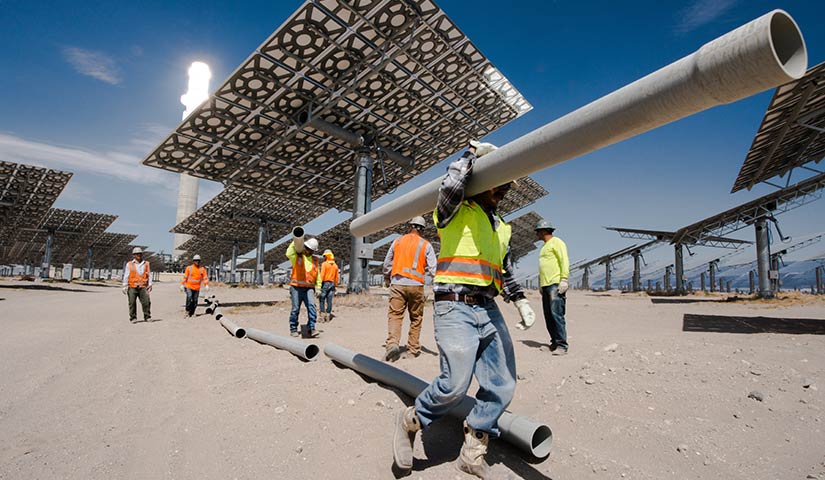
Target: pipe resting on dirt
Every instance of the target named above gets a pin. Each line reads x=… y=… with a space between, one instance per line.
x=230 y=326
x=307 y=351
x=762 y=54
x=522 y=432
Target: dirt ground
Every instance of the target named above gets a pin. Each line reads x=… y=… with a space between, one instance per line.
x=84 y=394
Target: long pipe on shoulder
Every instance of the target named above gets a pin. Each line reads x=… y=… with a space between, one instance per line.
x=757 y=56
x=298 y=239
x=522 y=432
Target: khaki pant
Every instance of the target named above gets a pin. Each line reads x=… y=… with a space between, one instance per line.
x=145 y=304
x=404 y=297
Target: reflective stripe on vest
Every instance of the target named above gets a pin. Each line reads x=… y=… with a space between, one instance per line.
x=137 y=280
x=329 y=271
x=403 y=264
x=301 y=277
x=471 y=252
x=193 y=276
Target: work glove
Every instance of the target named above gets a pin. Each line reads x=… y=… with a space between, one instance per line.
x=482 y=148
x=181 y=288
x=125 y=289
x=526 y=312
x=563 y=286
x=386 y=282
x=206 y=288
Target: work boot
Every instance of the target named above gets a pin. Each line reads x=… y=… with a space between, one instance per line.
x=406 y=426
x=392 y=354
x=294 y=334
x=471 y=458
x=314 y=333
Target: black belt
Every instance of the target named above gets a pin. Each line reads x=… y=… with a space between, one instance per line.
x=459 y=297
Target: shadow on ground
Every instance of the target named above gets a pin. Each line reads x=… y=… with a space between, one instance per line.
x=43 y=287
x=261 y=303
x=692 y=322
x=534 y=344
x=686 y=300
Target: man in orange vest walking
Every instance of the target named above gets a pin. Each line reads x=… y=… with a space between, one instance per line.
x=330 y=276
x=303 y=283
x=193 y=277
x=137 y=283
x=408 y=259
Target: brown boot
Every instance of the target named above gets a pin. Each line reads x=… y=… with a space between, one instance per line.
x=471 y=458
x=406 y=426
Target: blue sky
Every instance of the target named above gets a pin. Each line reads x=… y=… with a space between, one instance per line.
x=93 y=87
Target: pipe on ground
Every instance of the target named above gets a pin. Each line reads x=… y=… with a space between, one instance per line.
x=523 y=432
x=212 y=306
x=307 y=351
x=230 y=326
x=757 y=56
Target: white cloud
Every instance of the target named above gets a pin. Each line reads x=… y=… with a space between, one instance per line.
x=116 y=164
x=93 y=64
x=702 y=12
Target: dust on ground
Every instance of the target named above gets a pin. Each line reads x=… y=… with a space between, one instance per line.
x=86 y=394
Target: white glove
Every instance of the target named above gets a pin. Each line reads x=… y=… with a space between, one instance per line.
x=125 y=289
x=563 y=286
x=482 y=148
x=527 y=315
x=206 y=288
x=181 y=288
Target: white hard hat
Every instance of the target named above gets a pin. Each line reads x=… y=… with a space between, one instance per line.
x=196 y=257
x=137 y=250
x=418 y=221
x=311 y=244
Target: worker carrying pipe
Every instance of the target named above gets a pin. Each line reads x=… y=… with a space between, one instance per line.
x=305 y=280
x=474 y=266
x=193 y=278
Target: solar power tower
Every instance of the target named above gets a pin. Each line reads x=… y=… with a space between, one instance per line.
x=339 y=88
x=609 y=260
x=26 y=194
x=680 y=239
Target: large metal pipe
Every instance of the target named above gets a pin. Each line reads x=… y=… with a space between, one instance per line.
x=259 y=255
x=230 y=326
x=307 y=351
x=759 y=55
x=523 y=432
x=637 y=276
x=298 y=239
x=362 y=203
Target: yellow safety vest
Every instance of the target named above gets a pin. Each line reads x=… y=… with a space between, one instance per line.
x=471 y=252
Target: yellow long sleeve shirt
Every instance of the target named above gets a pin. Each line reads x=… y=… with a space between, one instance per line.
x=553 y=262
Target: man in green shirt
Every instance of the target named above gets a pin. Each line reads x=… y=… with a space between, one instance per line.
x=554 y=270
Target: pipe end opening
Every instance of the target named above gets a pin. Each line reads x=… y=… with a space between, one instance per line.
x=311 y=352
x=541 y=441
x=240 y=333
x=788 y=44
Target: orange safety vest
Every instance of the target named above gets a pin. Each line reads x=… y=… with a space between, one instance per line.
x=329 y=272
x=301 y=277
x=409 y=257
x=193 y=276
x=137 y=280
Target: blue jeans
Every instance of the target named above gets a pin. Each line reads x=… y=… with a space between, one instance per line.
x=554 y=306
x=306 y=296
x=471 y=339
x=191 y=300
x=327 y=292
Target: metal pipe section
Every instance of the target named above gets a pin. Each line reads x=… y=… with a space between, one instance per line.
x=637 y=274
x=751 y=282
x=763 y=257
x=307 y=351
x=359 y=265
x=702 y=281
x=607 y=276
x=298 y=239
x=757 y=56
x=233 y=328
x=522 y=432
x=712 y=276
x=818 y=273
x=680 y=269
